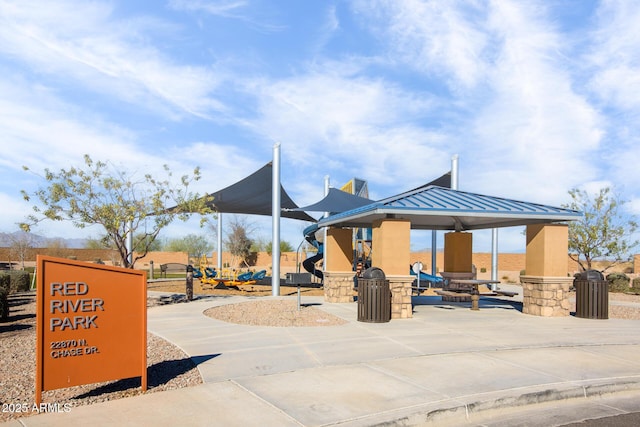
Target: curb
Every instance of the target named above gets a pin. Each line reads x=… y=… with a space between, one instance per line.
x=460 y=412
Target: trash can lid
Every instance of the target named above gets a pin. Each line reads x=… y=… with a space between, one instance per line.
x=373 y=273
x=590 y=275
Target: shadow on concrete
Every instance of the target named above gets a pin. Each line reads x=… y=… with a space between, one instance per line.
x=157 y=374
x=484 y=304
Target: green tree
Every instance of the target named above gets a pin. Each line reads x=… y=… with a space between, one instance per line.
x=284 y=247
x=603 y=232
x=122 y=203
x=192 y=244
x=138 y=242
x=99 y=243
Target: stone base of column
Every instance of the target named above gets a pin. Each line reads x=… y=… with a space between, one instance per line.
x=338 y=286
x=400 y=286
x=546 y=296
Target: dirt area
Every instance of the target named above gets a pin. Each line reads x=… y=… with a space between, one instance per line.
x=256 y=290
x=283 y=313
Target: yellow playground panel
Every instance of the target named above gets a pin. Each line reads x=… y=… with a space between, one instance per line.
x=227 y=276
x=361 y=236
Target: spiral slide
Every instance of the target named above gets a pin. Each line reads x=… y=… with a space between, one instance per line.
x=309 y=264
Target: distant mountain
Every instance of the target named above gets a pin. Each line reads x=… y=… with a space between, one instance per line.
x=35 y=240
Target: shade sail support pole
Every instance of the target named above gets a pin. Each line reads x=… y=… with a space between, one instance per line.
x=129 y=243
x=219 y=238
x=275 y=214
x=494 y=257
x=327 y=185
x=434 y=249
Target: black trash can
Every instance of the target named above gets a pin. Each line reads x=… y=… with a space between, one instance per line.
x=374 y=297
x=592 y=295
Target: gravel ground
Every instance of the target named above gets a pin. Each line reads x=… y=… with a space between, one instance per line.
x=261 y=313
x=169 y=367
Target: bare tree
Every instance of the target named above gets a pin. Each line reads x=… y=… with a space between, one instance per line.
x=237 y=240
x=21 y=244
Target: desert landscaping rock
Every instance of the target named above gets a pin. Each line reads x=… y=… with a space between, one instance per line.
x=281 y=313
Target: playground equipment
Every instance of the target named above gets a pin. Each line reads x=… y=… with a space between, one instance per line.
x=197 y=273
x=361 y=256
x=247 y=278
x=357 y=194
x=437 y=281
x=309 y=264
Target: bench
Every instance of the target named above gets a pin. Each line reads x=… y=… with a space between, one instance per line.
x=506 y=293
x=172 y=267
x=453 y=296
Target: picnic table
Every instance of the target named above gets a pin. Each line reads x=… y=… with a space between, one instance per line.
x=466 y=288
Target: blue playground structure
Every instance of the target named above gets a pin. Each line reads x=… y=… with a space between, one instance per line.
x=434 y=281
x=309 y=264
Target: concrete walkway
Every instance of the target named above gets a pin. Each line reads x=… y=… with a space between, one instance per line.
x=446 y=366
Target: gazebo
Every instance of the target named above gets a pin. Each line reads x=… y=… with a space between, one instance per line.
x=545 y=283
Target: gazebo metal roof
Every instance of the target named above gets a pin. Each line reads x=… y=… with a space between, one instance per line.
x=437 y=208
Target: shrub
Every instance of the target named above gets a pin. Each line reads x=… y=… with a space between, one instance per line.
x=618 y=282
x=20 y=281
x=636 y=283
x=5 y=283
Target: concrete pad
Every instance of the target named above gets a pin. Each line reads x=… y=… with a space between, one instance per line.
x=223 y=404
x=267 y=361
x=359 y=350
x=321 y=396
x=438 y=341
x=568 y=363
x=455 y=375
x=624 y=353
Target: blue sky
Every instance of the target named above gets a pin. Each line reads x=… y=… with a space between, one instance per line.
x=536 y=97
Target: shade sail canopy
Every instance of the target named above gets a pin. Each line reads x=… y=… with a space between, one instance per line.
x=337 y=201
x=252 y=196
x=438 y=208
x=443 y=181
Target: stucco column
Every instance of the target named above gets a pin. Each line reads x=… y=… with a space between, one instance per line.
x=391 y=241
x=458 y=252
x=546 y=284
x=338 y=274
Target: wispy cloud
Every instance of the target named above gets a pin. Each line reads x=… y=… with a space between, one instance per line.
x=242 y=10
x=438 y=39
x=347 y=121
x=536 y=97
x=51 y=133
x=615 y=54
x=86 y=43
x=614 y=64
x=520 y=119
